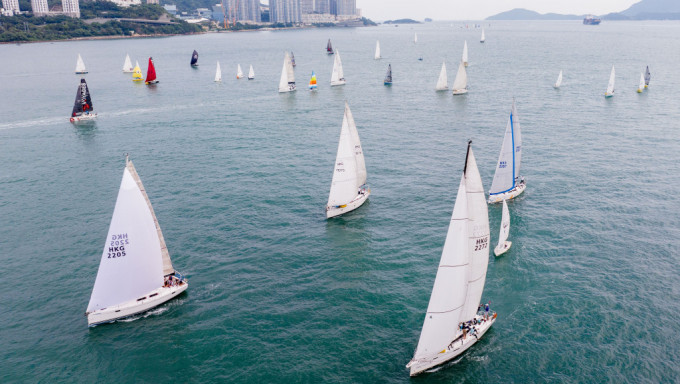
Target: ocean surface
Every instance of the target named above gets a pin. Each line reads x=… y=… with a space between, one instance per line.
x=239 y=176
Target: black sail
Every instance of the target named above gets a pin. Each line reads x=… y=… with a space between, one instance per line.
x=83 y=101
x=194 y=58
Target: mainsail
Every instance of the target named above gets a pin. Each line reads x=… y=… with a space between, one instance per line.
x=239 y=72
x=559 y=80
x=312 y=81
x=329 y=47
x=345 y=183
x=377 y=50
x=251 y=73
x=338 y=75
x=465 y=54
x=648 y=76
x=218 y=73
x=388 y=76
x=194 y=59
x=83 y=101
x=641 y=86
x=127 y=65
x=510 y=158
x=151 y=73
x=610 y=85
x=460 y=83
x=443 y=81
x=80 y=65
x=505 y=225
x=287 y=82
x=483 y=38
x=137 y=73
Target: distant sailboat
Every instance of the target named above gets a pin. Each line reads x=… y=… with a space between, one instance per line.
x=641 y=86
x=559 y=80
x=137 y=73
x=312 y=82
x=388 y=76
x=454 y=321
x=80 y=66
x=338 y=75
x=377 y=50
x=292 y=59
x=329 y=47
x=610 y=86
x=151 y=73
x=503 y=244
x=348 y=188
x=135 y=272
x=239 y=72
x=287 y=82
x=82 y=107
x=507 y=182
x=443 y=81
x=648 y=76
x=483 y=38
x=218 y=73
x=251 y=73
x=127 y=65
x=465 y=54
x=194 y=59
x=460 y=84
x=415 y=38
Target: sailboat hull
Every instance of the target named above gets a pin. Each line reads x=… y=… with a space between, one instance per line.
x=460 y=91
x=339 y=82
x=511 y=194
x=83 y=117
x=131 y=308
x=457 y=350
x=499 y=250
x=352 y=205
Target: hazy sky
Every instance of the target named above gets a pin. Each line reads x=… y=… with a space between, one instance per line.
x=479 y=9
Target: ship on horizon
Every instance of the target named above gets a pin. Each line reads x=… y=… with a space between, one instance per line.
x=591 y=20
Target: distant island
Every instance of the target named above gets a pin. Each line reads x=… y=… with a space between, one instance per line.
x=402 y=21
x=644 y=10
x=525 y=14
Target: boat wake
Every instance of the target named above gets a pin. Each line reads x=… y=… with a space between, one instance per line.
x=33 y=123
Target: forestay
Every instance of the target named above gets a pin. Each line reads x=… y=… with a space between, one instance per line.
x=509 y=160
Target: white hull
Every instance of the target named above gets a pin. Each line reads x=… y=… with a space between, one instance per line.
x=290 y=88
x=459 y=91
x=499 y=250
x=86 y=117
x=111 y=314
x=339 y=82
x=129 y=70
x=352 y=205
x=453 y=352
x=507 y=195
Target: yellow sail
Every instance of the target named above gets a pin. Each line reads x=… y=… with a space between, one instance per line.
x=137 y=73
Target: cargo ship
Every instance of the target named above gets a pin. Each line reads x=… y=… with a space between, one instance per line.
x=591 y=20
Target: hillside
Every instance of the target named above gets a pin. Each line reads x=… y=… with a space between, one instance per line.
x=525 y=14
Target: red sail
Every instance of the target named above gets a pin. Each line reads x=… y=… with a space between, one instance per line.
x=151 y=72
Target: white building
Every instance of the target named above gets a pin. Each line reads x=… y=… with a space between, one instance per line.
x=11 y=5
x=126 y=3
x=71 y=8
x=39 y=7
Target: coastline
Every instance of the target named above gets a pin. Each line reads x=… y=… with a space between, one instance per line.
x=110 y=37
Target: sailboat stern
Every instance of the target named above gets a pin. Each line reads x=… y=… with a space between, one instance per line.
x=352 y=205
x=511 y=194
x=502 y=248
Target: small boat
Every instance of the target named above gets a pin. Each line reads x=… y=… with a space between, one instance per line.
x=312 y=82
x=465 y=54
x=415 y=38
x=82 y=107
x=377 y=51
x=338 y=75
x=137 y=73
x=559 y=80
x=329 y=47
x=127 y=65
x=507 y=182
x=135 y=272
x=80 y=66
x=610 y=86
x=455 y=321
x=420 y=58
x=641 y=86
x=483 y=38
x=388 y=76
x=591 y=20
x=251 y=73
x=503 y=243
x=443 y=81
x=239 y=72
x=292 y=59
x=218 y=73
x=460 y=83
x=287 y=82
x=648 y=76
x=348 y=187
x=151 y=73
x=194 y=59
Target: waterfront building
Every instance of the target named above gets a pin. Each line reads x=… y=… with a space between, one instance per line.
x=70 y=8
x=237 y=11
x=285 y=11
x=346 y=8
x=127 y=3
x=11 y=6
x=39 y=7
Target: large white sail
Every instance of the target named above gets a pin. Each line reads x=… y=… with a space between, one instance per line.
x=460 y=83
x=483 y=38
x=344 y=186
x=377 y=50
x=610 y=85
x=338 y=75
x=641 y=86
x=356 y=145
x=218 y=73
x=510 y=158
x=443 y=81
x=465 y=54
x=80 y=65
x=251 y=73
x=132 y=261
x=415 y=38
x=239 y=72
x=287 y=82
x=559 y=80
x=127 y=65
x=505 y=225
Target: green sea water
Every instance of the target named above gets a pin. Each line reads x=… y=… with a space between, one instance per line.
x=239 y=175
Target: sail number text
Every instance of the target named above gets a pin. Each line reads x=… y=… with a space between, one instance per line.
x=117 y=245
x=482 y=243
x=502 y=164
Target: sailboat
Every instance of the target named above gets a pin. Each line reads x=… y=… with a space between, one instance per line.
x=648 y=76
x=287 y=82
x=292 y=59
x=460 y=83
x=507 y=182
x=483 y=38
x=251 y=73
x=641 y=86
x=348 y=188
x=329 y=47
x=80 y=66
x=218 y=73
x=127 y=65
x=194 y=59
x=239 y=72
x=559 y=80
x=415 y=38
x=137 y=73
x=312 y=82
x=338 y=75
x=503 y=243
x=377 y=50
x=151 y=73
x=83 y=107
x=465 y=54
x=443 y=81
x=610 y=86
x=453 y=322
x=388 y=76
x=135 y=272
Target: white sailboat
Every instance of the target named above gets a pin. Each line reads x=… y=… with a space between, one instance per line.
x=287 y=82
x=239 y=72
x=503 y=244
x=507 y=182
x=348 y=187
x=443 y=81
x=80 y=66
x=251 y=73
x=559 y=80
x=415 y=39
x=610 y=86
x=127 y=65
x=460 y=84
x=453 y=322
x=338 y=75
x=641 y=86
x=465 y=54
x=218 y=73
x=135 y=273
x=483 y=38
x=377 y=50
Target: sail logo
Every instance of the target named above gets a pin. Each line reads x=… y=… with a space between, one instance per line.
x=117 y=246
x=502 y=164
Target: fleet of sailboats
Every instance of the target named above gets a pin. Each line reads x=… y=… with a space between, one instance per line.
x=127 y=65
x=559 y=80
x=503 y=245
x=338 y=75
x=80 y=66
x=287 y=82
x=218 y=73
x=377 y=50
x=443 y=81
x=610 y=86
x=151 y=73
x=507 y=182
x=194 y=59
x=83 y=108
x=239 y=72
x=460 y=83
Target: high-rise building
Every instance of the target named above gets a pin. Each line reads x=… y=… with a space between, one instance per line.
x=238 y=10
x=153 y=2
x=11 y=5
x=346 y=7
x=322 y=6
x=285 y=11
x=307 y=6
x=71 y=8
x=39 y=7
